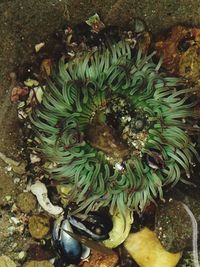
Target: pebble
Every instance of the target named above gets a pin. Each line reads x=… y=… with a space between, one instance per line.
x=21 y=255
x=8 y=198
x=14 y=220
x=26 y=202
x=6 y=261
x=39 y=226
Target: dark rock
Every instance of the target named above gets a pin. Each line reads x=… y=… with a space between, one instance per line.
x=173 y=224
x=40 y=252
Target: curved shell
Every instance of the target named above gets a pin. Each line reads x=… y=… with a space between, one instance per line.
x=67 y=247
x=93 y=224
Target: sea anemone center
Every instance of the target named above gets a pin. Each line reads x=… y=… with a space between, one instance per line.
x=118 y=129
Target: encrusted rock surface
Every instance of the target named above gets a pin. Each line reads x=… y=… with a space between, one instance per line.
x=26 y=202
x=173 y=224
x=39 y=226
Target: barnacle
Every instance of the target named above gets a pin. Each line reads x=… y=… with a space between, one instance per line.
x=113 y=124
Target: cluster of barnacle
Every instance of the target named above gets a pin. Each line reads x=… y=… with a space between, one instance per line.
x=131 y=124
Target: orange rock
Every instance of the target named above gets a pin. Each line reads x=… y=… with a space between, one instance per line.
x=98 y=259
x=180 y=51
x=18 y=93
x=168 y=48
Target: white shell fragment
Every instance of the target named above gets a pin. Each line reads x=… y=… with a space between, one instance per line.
x=40 y=191
x=39 y=46
x=34 y=158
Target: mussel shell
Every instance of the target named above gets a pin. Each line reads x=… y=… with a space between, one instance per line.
x=95 y=225
x=68 y=248
x=85 y=252
x=154 y=160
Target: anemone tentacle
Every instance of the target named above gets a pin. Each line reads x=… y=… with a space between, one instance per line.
x=112 y=123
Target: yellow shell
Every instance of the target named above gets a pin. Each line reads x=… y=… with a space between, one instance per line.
x=120 y=230
x=147 y=250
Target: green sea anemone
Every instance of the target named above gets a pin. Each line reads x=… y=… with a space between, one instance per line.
x=114 y=126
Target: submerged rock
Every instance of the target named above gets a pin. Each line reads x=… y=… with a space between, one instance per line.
x=173 y=225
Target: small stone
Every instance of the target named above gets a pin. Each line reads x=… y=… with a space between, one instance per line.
x=39 y=226
x=11 y=230
x=34 y=158
x=6 y=261
x=26 y=202
x=16 y=180
x=15 y=220
x=38 y=264
x=14 y=245
x=21 y=255
x=8 y=198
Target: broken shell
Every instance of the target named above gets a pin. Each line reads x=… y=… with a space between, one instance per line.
x=40 y=191
x=34 y=158
x=35 y=95
x=46 y=67
x=67 y=247
x=120 y=230
x=95 y=23
x=30 y=82
x=39 y=46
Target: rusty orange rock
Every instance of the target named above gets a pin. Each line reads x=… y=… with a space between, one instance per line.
x=180 y=51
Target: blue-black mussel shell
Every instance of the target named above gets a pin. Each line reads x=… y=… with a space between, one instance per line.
x=95 y=225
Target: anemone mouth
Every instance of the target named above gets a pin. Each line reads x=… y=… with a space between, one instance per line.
x=118 y=129
x=113 y=125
